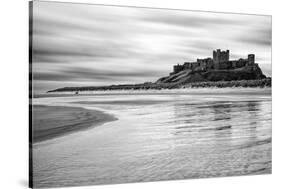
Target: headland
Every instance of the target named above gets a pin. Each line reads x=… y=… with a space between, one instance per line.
x=218 y=71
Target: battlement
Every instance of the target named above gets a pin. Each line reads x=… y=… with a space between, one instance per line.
x=220 y=56
x=219 y=61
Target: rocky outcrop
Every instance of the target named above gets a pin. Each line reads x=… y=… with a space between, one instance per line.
x=252 y=72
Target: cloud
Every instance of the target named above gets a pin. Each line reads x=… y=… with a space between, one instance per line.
x=190 y=19
x=86 y=74
x=257 y=36
x=80 y=44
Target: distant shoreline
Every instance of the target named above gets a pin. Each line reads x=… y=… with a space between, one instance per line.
x=260 y=83
x=182 y=91
x=53 y=121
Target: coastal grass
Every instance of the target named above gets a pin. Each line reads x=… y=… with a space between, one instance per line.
x=223 y=84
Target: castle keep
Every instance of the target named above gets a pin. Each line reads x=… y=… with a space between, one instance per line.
x=220 y=61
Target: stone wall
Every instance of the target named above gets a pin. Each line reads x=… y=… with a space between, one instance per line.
x=220 y=61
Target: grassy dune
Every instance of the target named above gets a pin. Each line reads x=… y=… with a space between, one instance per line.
x=222 y=84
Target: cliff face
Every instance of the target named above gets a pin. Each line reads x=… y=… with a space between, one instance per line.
x=252 y=72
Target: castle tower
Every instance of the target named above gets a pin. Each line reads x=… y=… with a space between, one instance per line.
x=227 y=55
x=219 y=57
x=216 y=56
x=224 y=56
x=251 y=59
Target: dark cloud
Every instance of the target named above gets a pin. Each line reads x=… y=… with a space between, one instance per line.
x=86 y=74
x=257 y=36
x=56 y=49
x=58 y=38
x=52 y=26
x=45 y=25
x=109 y=74
x=185 y=19
x=48 y=76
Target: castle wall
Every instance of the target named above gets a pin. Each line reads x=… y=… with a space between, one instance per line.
x=178 y=68
x=216 y=65
x=219 y=61
x=194 y=65
x=225 y=65
x=241 y=63
x=206 y=63
x=187 y=65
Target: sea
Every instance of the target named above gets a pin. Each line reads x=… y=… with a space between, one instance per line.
x=159 y=135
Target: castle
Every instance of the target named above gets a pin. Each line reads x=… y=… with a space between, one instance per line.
x=220 y=61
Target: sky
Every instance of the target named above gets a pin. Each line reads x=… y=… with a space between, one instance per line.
x=93 y=45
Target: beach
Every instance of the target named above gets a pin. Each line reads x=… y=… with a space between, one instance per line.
x=54 y=121
x=156 y=135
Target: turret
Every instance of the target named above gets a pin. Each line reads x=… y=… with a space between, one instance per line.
x=227 y=55
x=251 y=59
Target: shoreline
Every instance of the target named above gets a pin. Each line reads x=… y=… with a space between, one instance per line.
x=195 y=91
x=49 y=122
x=258 y=83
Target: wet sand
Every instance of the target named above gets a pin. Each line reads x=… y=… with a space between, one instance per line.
x=53 y=121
